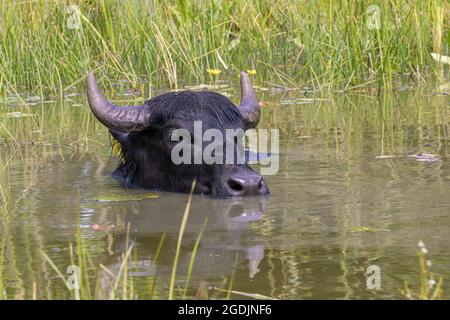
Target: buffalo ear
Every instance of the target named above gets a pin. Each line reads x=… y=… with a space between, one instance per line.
x=121 y=137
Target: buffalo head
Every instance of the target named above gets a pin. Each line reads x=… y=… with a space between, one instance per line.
x=145 y=135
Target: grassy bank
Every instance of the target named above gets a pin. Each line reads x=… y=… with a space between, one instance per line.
x=49 y=46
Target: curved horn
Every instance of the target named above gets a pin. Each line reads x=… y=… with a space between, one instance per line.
x=249 y=106
x=124 y=119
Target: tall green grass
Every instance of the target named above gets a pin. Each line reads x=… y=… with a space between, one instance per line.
x=324 y=44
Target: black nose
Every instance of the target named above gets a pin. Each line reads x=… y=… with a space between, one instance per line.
x=246 y=185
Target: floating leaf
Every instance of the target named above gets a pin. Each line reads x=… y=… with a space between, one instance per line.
x=11 y=99
x=208 y=87
x=18 y=114
x=362 y=229
x=301 y=101
x=367 y=229
x=73 y=94
x=126 y=197
x=444 y=87
x=424 y=157
x=33 y=98
x=441 y=58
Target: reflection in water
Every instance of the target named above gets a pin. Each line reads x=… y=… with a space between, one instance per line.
x=226 y=240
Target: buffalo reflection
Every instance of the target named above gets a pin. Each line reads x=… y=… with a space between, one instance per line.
x=154 y=227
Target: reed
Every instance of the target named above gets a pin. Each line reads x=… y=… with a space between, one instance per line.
x=49 y=46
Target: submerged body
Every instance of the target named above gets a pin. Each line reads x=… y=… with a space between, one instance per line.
x=145 y=135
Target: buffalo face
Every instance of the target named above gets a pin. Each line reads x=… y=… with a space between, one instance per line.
x=145 y=135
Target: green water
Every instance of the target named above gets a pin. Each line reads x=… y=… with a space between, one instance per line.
x=335 y=207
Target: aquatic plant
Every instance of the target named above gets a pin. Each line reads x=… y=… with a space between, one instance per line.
x=430 y=284
x=51 y=45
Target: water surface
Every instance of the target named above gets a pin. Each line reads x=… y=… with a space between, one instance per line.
x=336 y=207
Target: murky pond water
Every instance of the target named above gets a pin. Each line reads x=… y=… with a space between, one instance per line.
x=336 y=207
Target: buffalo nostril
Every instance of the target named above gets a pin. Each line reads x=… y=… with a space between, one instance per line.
x=235 y=185
x=249 y=185
x=260 y=184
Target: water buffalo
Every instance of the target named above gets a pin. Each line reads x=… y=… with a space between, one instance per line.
x=145 y=135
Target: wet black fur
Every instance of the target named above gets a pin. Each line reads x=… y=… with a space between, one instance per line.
x=145 y=156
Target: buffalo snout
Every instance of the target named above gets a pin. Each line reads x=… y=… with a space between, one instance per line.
x=242 y=183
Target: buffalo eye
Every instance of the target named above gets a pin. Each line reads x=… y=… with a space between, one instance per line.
x=175 y=135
